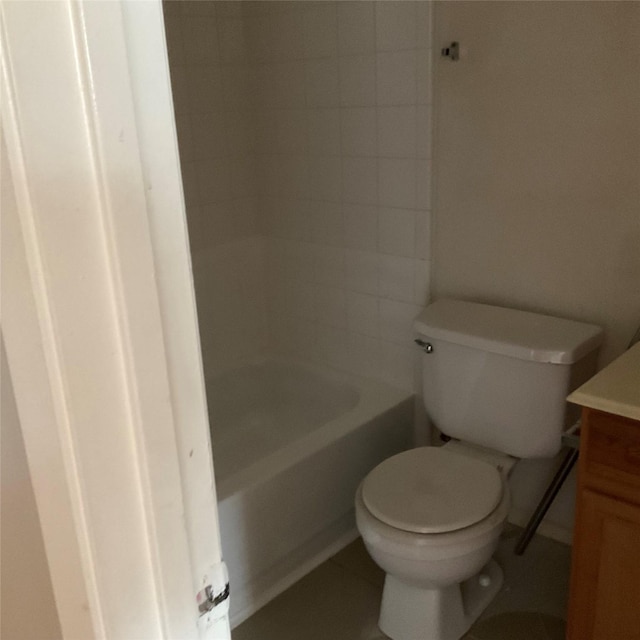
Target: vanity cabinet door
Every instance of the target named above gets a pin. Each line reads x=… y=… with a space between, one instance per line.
x=605 y=583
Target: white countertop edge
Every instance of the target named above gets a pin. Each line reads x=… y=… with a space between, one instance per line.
x=605 y=404
x=615 y=389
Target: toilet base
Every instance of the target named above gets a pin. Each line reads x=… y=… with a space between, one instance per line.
x=409 y=612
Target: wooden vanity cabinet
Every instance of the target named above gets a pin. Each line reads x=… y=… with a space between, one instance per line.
x=604 y=601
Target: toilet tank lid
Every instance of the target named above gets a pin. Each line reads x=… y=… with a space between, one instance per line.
x=509 y=332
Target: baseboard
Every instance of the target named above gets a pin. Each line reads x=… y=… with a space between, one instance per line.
x=546 y=528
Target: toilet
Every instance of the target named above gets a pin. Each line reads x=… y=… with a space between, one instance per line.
x=494 y=382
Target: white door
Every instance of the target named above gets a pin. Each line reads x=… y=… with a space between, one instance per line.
x=99 y=321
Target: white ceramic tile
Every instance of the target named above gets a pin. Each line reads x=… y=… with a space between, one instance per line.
x=205 y=88
x=363 y=355
x=209 y=135
x=275 y=213
x=279 y=300
x=333 y=346
x=288 y=38
x=423 y=131
x=213 y=180
x=423 y=234
x=200 y=40
x=330 y=266
x=241 y=176
x=241 y=138
x=289 y=84
x=267 y=130
x=360 y=226
x=195 y=8
x=397 y=132
x=320 y=30
x=422 y=282
x=295 y=175
x=324 y=131
x=358 y=130
x=292 y=131
x=322 y=83
x=270 y=175
x=397 y=278
x=302 y=300
x=300 y=261
x=396 y=25
x=397 y=231
x=397 y=183
x=362 y=271
x=396 y=364
x=356 y=27
x=423 y=22
x=423 y=184
x=232 y=43
x=236 y=81
x=331 y=306
x=245 y=211
x=214 y=225
x=325 y=180
x=424 y=81
x=396 y=78
x=359 y=180
x=264 y=85
x=296 y=220
x=259 y=36
x=228 y=9
x=172 y=12
x=327 y=223
x=358 y=81
x=362 y=314
x=396 y=321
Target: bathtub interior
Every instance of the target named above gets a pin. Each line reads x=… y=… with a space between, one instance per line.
x=258 y=408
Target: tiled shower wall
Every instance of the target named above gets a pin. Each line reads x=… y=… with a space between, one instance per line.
x=310 y=189
x=343 y=147
x=215 y=123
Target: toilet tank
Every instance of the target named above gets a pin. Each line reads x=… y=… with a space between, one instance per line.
x=499 y=377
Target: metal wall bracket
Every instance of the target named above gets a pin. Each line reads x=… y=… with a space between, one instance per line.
x=452 y=51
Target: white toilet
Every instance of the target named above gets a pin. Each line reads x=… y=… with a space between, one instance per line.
x=495 y=381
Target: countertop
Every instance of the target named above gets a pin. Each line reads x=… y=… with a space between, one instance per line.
x=616 y=388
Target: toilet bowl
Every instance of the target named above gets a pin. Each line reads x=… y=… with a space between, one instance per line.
x=431 y=519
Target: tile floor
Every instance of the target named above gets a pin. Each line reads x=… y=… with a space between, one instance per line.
x=339 y=600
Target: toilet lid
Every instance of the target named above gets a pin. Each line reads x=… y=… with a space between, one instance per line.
x=432 y=490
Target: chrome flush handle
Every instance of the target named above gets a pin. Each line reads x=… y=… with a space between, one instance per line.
x=427 y=347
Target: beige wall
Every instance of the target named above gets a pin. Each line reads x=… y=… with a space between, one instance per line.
x=537 y=153
x=537 y=170
x=26 y=594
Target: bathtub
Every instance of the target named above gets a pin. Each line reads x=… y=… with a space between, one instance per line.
x=291 y=442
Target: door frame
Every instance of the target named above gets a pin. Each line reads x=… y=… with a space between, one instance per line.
x=100 y=323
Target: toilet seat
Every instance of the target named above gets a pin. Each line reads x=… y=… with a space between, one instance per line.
x=432 y=490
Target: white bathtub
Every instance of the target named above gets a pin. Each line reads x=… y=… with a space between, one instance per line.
x=291 y=442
